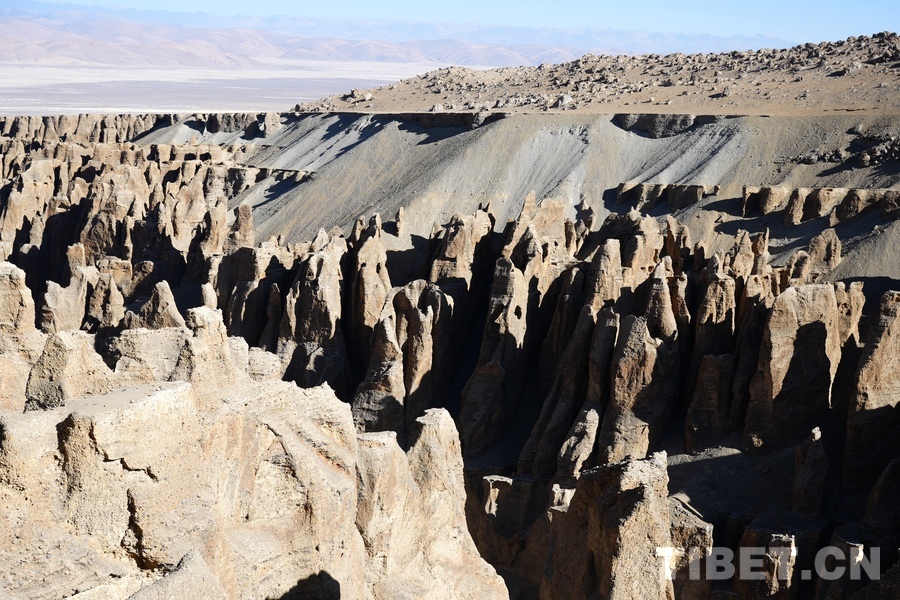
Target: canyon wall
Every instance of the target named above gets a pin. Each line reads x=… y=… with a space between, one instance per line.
x=195 y=405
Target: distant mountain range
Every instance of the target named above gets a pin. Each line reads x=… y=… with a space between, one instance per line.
x=43 y=33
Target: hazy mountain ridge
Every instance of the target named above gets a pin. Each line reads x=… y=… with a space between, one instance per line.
x=41 y=33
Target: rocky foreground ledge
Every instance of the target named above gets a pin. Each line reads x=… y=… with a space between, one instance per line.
x=190 y=412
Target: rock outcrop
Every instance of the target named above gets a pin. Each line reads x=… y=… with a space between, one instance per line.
x=191 y=407
x=871 y=443
x=411 y=516
x=799 y=356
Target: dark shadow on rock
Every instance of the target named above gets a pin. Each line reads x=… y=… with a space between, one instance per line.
x=361 y=125
x=724 y=481
x=321 y=586
x=611 y=203
x=430 y=135
x=873 y=288
x=730 y=206
x=847 y=165
x=404 y=266
x=657 y=126
x=161 y=123
x=277 y=191
x=442 y=125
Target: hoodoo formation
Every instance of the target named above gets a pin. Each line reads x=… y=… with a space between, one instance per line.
x=458 y=354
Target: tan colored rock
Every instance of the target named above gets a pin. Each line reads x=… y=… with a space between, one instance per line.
x=825 y=251
x=242 y=234
x=714 y=324
x=851 y=302
x=311 y=330
x=761 y=253
x=682 y=196
x=799 y=355
x=147 y=475
x=642 y=196
x=643 y=386
x=659 y=307
x=692 y=540
x=890 y=204
x=562 y=406
x=542 y=246
x=145 y=355
x=105 y=308
x=158 y=312
x=208 y=296
x=461 y=250
x=750 y=199
x=642 y=252
x=679 y=295
x=378 y=404
x=741 y=259
x=872 y=421
x=789 y=545
x=773 y=199
x=412 y=520
x=14 y=382
x=620 y=514
x=249 y=282
x=605 y=279
x=407 y=373
x=191 y=578
x=678 y=244
x=797 y=271
x=796 y=211
x=857 y=202
x=68 y=368
x=64 y=307
x=424 y=317
x=370 y=287
x=823 y=200
x=16 y=303
x=206 y=356
x=262 y=365
x=578 y=451
x=493 y=391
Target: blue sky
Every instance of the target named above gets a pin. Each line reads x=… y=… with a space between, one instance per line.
x=797 y=20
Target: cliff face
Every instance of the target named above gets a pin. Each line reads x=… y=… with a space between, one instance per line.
x=193 y=407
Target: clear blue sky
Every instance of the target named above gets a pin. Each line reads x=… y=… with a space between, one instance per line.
x=798 y=20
